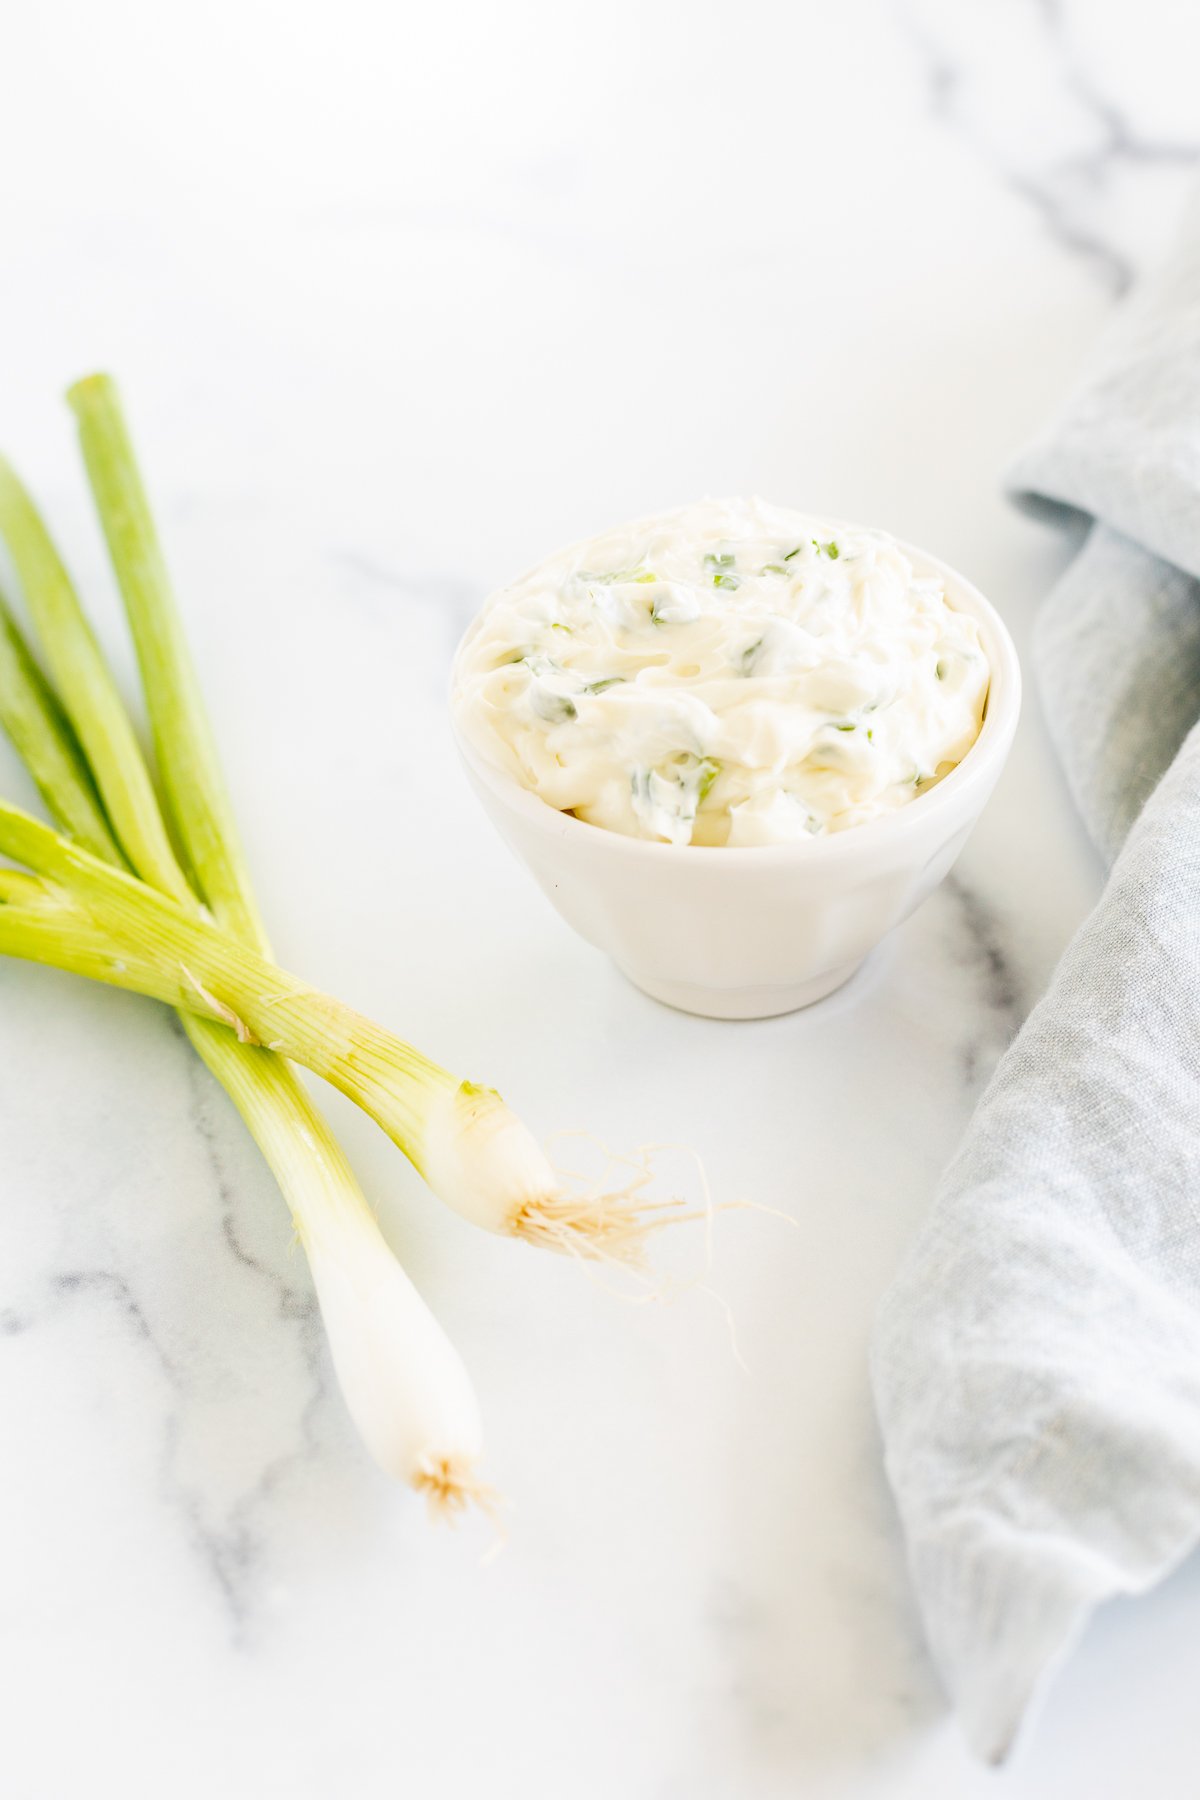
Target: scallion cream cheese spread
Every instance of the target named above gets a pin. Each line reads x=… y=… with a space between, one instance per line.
x=732 y=673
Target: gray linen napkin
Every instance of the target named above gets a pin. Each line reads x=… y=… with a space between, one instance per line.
x=1036 y=1364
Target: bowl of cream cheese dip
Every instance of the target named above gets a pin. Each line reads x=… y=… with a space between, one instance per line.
x=736 y=744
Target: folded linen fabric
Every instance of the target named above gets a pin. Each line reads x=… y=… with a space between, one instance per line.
x=1036 y=1363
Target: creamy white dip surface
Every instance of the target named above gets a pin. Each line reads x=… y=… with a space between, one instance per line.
x=730 y=673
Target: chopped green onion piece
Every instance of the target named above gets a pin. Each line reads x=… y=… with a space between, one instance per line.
x=611 y=577
x=556 y=709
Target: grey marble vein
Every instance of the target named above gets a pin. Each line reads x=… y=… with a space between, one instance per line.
x=226 y=1509
x=1121 y=139
x=228 y=1556
x=1004 y=990
x=233 y=1552
x=1070 y=189
x=113 y=1288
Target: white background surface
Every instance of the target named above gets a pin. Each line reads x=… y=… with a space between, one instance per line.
x=401 y=299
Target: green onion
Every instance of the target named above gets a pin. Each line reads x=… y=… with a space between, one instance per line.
x=150 y=937
x=613 y=577
x=709 y=771
x=404 y=1383
x=405 y=1386
x=556 y=709
x=721 y=563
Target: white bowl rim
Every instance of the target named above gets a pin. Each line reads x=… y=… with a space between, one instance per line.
x=986 y=754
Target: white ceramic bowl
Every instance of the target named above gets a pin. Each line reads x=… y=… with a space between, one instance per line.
x=744 y=934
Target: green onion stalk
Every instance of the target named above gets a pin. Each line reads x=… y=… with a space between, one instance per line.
x=405 y=1385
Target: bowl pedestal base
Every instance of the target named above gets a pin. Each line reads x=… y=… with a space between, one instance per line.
x=742 y=1002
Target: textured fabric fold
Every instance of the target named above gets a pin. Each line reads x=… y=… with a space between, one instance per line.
x=1036 y=1363
x=1125 y=448
x=1118 y=666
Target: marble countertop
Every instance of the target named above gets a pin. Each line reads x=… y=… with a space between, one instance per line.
x=398 y=305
